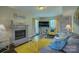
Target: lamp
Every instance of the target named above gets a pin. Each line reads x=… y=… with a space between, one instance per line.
x=2 y=32
x=68 y=27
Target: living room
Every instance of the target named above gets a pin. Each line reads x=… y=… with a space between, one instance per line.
x=31 y=29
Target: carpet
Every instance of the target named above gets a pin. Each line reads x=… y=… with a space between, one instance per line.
x=33 y=47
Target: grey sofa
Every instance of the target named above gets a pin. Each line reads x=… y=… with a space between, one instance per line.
x=71 y=47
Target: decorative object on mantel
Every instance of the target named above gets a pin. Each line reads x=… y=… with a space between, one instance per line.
x=18 y=16
x=76 y=16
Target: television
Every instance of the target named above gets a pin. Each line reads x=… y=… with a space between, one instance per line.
x=43 y=23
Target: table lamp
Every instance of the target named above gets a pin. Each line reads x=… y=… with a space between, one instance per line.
x=68 y=27
x=2 y=32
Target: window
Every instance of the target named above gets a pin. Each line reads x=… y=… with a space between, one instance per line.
x=52 y=24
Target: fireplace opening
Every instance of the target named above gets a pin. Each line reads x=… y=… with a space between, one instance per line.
x=19 y=34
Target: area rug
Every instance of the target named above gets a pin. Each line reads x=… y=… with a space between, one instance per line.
x=33 y=47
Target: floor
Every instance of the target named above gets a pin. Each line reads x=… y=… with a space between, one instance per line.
x=41 y=46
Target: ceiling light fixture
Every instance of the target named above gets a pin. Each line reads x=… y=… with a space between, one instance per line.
x=41 y=7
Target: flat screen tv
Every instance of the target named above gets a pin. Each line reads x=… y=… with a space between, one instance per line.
x=43 y=23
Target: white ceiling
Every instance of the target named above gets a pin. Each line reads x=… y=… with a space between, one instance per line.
x=50 y=11
x=69 y=10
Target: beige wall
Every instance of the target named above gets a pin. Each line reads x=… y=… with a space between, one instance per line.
x=5 y=20
x=75 y=27
x=6 y=15
x=30 y=26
